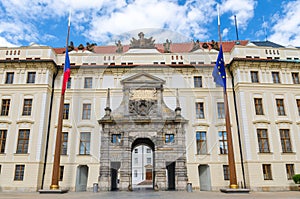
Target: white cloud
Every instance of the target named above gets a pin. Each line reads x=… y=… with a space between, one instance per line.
x=5 y=43
x=286 y=30
x=243 y=9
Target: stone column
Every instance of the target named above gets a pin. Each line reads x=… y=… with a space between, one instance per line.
x=104 y=173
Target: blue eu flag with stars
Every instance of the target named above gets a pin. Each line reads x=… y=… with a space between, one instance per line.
x=219 y=73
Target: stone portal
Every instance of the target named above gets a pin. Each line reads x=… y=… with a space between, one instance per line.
x=142 y=116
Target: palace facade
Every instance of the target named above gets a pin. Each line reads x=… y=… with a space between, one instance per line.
x=152 y=103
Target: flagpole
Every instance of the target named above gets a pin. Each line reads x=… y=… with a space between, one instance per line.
x=56 y=162
x=231 y=161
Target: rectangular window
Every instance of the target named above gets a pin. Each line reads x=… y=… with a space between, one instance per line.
x=197 y=81
x=135 y=173
x=3 y=134
x=258 y=106
x=86 y=111
x=116 y=139
x=135 y=150
x=27 y=107
x=64 y=143
x=280 y=107
x=223 y=142
x=148 y=150
x=298 y=105
x=275 y=76
x=88 y=82
x=295 y=78
x=285 y=140
x=226 y=172
x=9 y=78
x=66 y=111
x=5 y=107
x=254 y=76
x=31 y=77
x=84 y=145
x=263 y=141
x=136 y=160
x=199 y=110
x=267 y=171
x=61 y=173
x=19 y=172
x=221 y=110
x=69 y=82
x=290 y=171
x=201 y=142
x=23 y=141
x=169 y=138
x=148 y=160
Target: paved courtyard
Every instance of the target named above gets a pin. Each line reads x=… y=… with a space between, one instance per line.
x=152 y=194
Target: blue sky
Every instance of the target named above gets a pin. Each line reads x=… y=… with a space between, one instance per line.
x=105 y=21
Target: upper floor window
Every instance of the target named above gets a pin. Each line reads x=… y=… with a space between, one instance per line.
x=23 y=141
x=295 y=78
x=298 y=105
x=197 y=81
x=64 y=143
x=169 y=138
x=69 y=82
x=285 y=140
x=221 y=110
x=280 y=107
x=31 y=77
x=263 y=140
x=86 y=111
x=85 y=141
x=9 y=78
x=88 y=82
x=254 y=76
x=66 y=111
x=223 y=142
x=199 y=110
x=3 y=134
x=116 y=139
x=5 y=107
x=19 y=172
x=276 y=78
x=201 y=142
x=27 y=107
x=258 y=106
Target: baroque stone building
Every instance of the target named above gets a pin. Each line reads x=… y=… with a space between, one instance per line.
x=158 y=96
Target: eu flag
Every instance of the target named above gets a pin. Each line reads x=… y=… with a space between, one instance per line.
x=67 y=72
x=219 y=73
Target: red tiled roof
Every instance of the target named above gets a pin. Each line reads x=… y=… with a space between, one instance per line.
x=175 y=47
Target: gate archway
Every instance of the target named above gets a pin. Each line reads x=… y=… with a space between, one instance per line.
x=142 y=119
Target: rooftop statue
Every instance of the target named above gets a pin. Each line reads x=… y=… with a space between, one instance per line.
x=119 y=47
x=142 y=42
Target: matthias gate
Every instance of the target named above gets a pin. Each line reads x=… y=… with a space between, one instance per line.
x=143 y=119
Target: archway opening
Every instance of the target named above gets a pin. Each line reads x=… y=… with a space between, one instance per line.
x=142 y=164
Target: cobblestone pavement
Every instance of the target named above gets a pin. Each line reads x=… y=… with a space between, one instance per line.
x=152 y=194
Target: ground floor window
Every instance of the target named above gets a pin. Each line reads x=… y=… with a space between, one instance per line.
x=290 y=171
x=267 y=172
x=226 y=172
x=19 y=172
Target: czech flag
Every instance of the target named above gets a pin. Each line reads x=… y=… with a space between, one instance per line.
x=67 y=72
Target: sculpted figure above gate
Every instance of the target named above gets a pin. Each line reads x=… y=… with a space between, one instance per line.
x=142 y=42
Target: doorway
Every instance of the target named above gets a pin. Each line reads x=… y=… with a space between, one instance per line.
x=171 y=175
x=114 y=171
x=142 y=162
x=204 y=177
x=81 y=178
